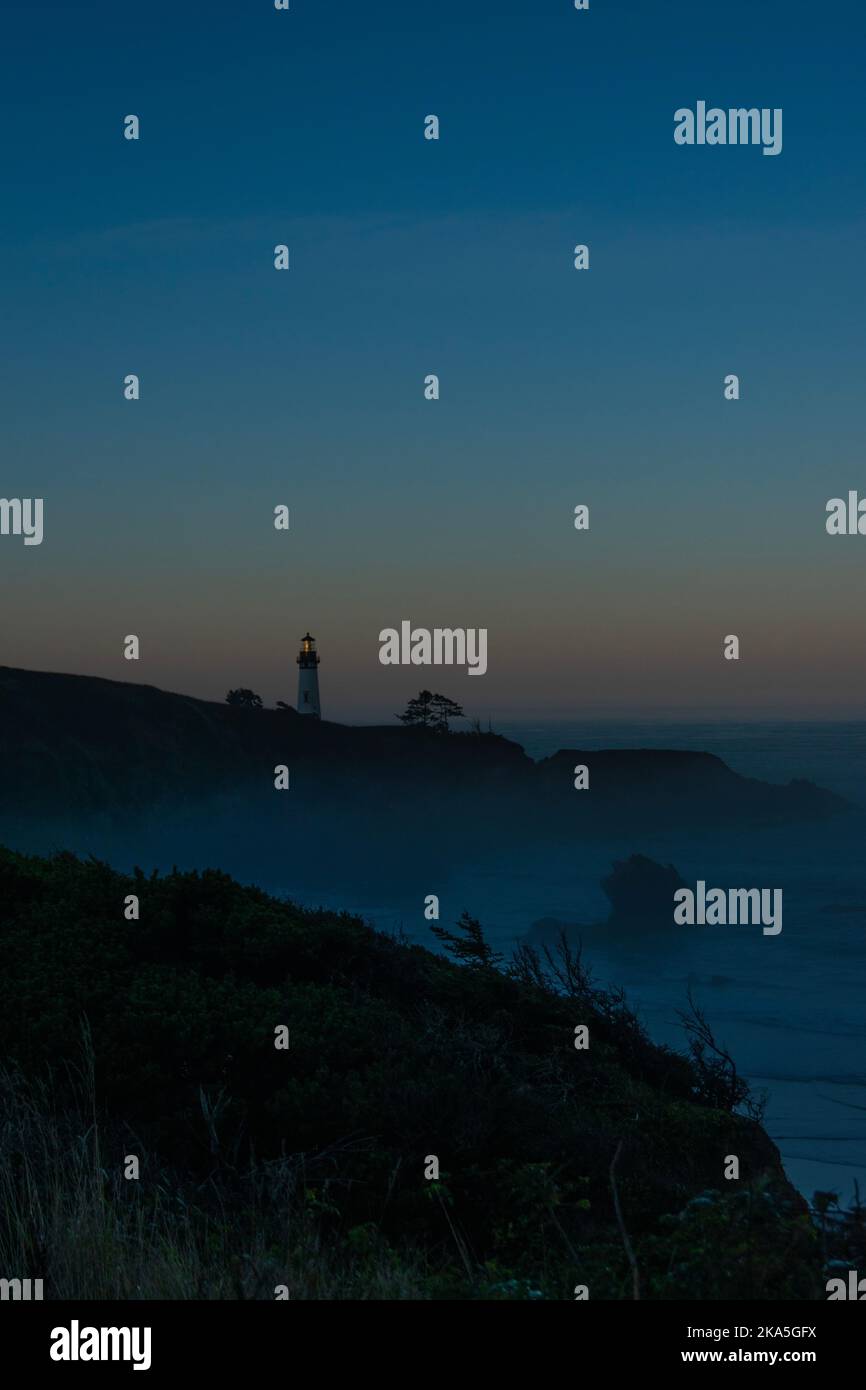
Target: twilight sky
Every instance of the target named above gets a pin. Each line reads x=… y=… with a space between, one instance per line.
x=409 y=257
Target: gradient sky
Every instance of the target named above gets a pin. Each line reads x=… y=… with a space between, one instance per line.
x=409 y=257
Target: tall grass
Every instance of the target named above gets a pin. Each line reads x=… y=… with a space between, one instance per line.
x=68 y=1216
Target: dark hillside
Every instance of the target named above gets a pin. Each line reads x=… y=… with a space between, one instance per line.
x=73 y=746
x=395 y=1055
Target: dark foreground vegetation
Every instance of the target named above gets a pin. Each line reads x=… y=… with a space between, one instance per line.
x=305 y=1167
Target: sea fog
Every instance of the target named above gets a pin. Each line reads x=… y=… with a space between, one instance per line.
x=789 y=1007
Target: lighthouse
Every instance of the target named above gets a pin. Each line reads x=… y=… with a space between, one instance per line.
x=308 y=678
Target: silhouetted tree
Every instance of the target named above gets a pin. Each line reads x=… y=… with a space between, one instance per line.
x=470 y=948
x=429 y=711
x=281 y=704
x=443 y=710
x=418 y=710
x=244 y=699
x=719 y=1083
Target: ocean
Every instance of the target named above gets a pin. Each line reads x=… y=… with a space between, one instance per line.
x=831 y=754
x=789 y=1008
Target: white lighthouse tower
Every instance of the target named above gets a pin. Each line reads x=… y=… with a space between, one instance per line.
x=308 y=678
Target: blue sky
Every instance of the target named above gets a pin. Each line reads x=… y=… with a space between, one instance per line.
x=409 y=257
